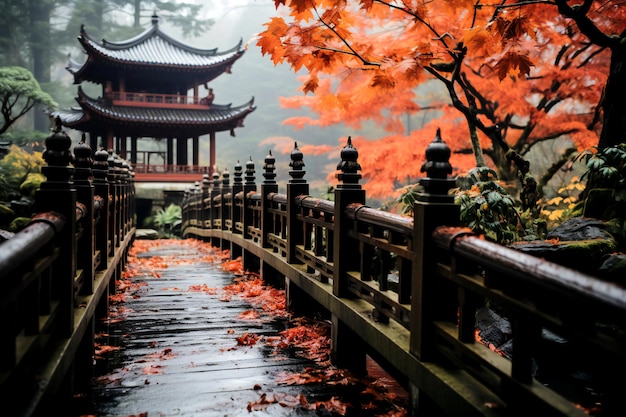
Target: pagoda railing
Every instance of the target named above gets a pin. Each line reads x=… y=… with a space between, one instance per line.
x=141 y=168
x=143 y=99
x=408 y=291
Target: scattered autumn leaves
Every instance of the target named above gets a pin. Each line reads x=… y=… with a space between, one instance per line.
x=305 y=337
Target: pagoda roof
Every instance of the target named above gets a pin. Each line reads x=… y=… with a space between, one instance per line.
x=151 y=49
x=96 y=115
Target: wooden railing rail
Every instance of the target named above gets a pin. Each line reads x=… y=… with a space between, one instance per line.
x=536 y=296
x=407 y=289
x=57 y=274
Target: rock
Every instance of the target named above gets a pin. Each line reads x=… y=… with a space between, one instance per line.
x=580 y=228
x=614 y=268
x=147 y=234
x=579 y=243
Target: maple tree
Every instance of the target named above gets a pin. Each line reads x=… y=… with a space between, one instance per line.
x=515 y=74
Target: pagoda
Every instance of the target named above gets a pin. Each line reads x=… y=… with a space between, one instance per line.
x=154 y=87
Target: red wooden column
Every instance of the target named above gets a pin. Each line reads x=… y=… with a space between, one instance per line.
x=195 y=151
x=212 y=150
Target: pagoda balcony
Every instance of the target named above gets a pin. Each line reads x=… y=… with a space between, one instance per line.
x=169 y=173
x=143 y=99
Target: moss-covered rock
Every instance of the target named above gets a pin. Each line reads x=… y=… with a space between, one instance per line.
x=31 y=184
x=580 y=243
x=6 y=214
x=18 y=224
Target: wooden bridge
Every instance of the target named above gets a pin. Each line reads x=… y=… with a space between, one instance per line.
x=402 y=290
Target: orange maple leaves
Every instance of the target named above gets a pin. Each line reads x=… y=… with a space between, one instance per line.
x=531 y=73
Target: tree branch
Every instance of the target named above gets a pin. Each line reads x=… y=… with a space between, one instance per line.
x=585 y=24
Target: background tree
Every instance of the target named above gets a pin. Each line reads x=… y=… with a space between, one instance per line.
x=38 y=34
x=19 y=93
x=516 y=74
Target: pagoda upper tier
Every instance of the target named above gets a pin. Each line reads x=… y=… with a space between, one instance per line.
x=151 y=59
x=94 y=114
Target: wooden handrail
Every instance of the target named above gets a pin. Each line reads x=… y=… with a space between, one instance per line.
x=16 y=251
x=56 y=275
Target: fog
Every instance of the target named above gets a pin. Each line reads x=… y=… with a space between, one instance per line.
x=255 y=75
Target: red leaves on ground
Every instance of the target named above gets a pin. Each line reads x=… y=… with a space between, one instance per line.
x=247 y=339
x=203 y=288
x=249 y=315
x=235 y=266
x=165 y=354
x=285 y=400
x=102 y=349
x=311 y=338
x=152 y=369
x=252 y=287
x=307 y=337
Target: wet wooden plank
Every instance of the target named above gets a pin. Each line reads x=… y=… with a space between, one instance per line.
x=178 y=353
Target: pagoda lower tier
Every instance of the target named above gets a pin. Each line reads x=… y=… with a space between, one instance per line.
x=110 y=123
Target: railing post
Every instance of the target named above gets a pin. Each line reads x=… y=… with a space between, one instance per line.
x=215 y=191
x=268 y=186
x=347 y=348
x=101 y=185
x=197 y=203
x=114 y=214
x=346 y=255
x=225 y=210
x=204 y=214
x=434 y=207
x=57 y=193
x=246 y=213
x=235 y=213
x=296 y=186
x=248 y=187
x=85 y=196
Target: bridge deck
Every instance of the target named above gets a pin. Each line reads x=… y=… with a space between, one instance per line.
x=178 y=341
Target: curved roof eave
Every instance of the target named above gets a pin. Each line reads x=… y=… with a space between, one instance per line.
x=217 y=118
x=140 y=47
x=74 y=116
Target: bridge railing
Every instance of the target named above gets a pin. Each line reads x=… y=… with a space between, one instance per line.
x=56 y=275
x=407 y=290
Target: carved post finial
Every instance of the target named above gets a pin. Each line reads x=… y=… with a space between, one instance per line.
x=83 y=161
x=225 y=178
x=349 y=167
x=58 y=158
x=437 y=163
x=250 y=178
x=216 y=178
x=437 y=168
x=238 y=173
x=296 y=173
x=269 y=168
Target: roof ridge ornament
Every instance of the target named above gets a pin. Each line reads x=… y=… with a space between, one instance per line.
x=155 y=19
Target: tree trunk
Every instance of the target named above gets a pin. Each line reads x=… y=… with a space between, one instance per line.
x=95 y=17
x=137 y=14
x=39 y=12
x=614 y=101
